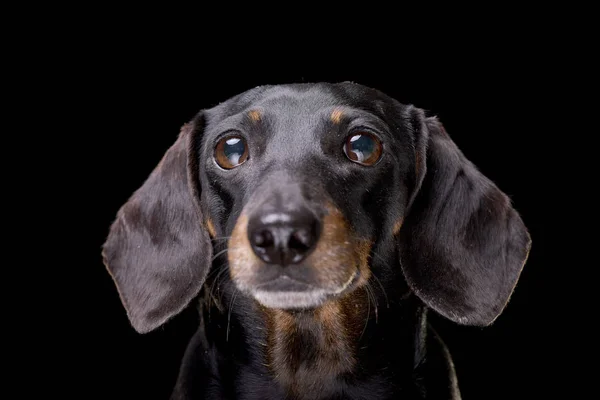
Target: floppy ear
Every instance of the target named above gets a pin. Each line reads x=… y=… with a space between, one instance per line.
x=462 y=245
x=157 y=251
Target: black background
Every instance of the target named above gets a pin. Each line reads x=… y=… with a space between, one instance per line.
x=131 y=93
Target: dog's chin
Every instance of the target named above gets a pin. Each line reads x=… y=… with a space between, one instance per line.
x=289 y=300
x=288 y=294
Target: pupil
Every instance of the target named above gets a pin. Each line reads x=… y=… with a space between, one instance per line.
x=234 y=149
x=362 y=146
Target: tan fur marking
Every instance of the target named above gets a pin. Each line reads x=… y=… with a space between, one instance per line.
x=336 y=116
x=242 y=261
x=211 y=228
x=254 y=115
x=363 y=251
x=334 y=344
x=284 y=321
x=339 y=253
x=397 y=226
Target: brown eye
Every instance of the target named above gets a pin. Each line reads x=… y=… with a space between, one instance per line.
x=363 y=148
x=231 y=152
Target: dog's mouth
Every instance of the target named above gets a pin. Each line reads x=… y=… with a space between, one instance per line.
x=288 y=293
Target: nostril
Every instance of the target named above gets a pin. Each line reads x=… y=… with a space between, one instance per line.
x=263 y=238
x=301 y=240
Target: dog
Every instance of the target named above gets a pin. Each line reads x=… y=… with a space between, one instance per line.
x=314 y=226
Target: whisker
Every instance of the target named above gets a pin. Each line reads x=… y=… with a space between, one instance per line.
x=214 y=270
x=375 y=303
x=220 y=238
x=368 y=313
x=383 y=260
x=220 y=253
x=377 y=279
x=380 y=258
x=229 y=313
x=216 y=280
x=387 y=302
x=219 y=270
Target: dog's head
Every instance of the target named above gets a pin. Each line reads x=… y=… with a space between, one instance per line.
x=305 y=183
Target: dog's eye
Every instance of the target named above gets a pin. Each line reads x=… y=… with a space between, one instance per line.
x=363 y=148
x=231 y=152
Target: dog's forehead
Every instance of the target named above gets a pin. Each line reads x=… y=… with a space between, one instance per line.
x=303 y=100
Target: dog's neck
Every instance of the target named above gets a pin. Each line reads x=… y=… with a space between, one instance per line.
x=306 y=351
x=321 y=350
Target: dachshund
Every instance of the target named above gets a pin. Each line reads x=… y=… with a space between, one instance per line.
x=314 y=226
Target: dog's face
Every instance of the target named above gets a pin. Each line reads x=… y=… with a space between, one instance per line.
x=305 y=183
x=299 y=179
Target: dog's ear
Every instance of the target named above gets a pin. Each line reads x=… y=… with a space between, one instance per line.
x=158 y=251
x=462 y=244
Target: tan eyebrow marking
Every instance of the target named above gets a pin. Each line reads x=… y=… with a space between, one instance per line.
x=336 y=116
x=254 y=115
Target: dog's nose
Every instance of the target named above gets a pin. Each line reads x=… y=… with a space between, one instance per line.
x=283 y=238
